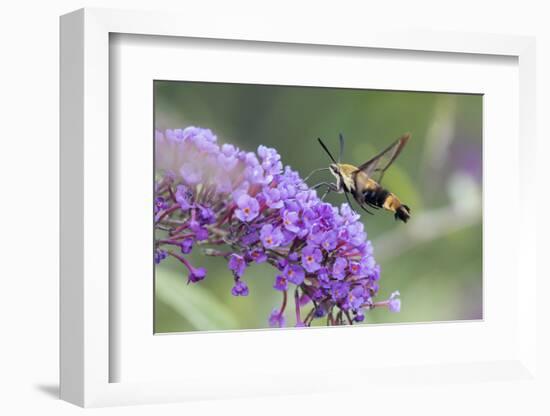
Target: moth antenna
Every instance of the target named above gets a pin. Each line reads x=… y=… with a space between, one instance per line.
x=341 y=137
x=326 y=149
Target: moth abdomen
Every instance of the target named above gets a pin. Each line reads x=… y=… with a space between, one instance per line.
x=376 y=197
x=382 y=198
x=403 y=213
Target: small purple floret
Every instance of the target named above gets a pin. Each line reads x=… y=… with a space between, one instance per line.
x=160 y=204
x=311 y=258
x=339 y=268
x=196 y=275
x=248 y=208
x=257 y=255
x=183 y=197
x=276 y=319
x=186 y=245
x=237 y=264
x=271 y=236
x=357 y=297
x=239 y=289
x=394 y=303
x=294 y=274
x=160 y=255
x=281 y=283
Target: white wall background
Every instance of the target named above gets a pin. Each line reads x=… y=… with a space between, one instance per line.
x=29 y=99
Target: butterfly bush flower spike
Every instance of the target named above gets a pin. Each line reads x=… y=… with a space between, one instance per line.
x=246 y=208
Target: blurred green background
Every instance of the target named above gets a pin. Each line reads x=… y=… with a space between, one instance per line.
x=435 y=260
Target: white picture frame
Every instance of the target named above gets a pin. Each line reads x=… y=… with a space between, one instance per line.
x=87 y=356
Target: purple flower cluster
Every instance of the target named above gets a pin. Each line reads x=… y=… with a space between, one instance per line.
x=257 y=211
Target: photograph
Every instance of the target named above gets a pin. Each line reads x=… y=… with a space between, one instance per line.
x=279 y=206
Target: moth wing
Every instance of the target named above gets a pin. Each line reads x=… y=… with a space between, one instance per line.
x=377 y=166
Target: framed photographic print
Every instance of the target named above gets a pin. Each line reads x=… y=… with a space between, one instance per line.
x=284 y=255
x=235 y=206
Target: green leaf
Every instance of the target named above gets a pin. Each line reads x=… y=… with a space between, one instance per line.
x=192 y=302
